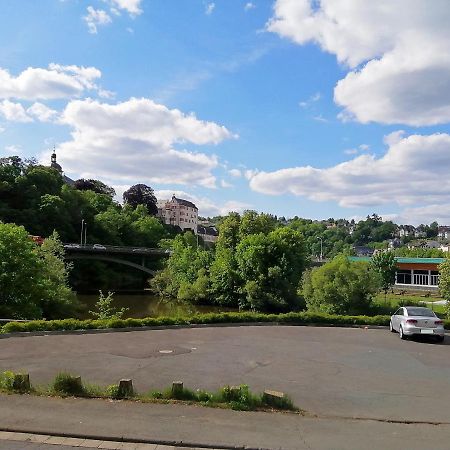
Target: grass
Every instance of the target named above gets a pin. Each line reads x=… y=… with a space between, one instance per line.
x=392 y=302
x=234 y=397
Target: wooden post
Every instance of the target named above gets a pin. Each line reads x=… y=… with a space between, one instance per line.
x=21 y=382
x=273 y=398
x=177 y=388
x=126 y=388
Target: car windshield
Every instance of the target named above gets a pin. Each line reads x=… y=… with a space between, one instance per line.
x=424 y=312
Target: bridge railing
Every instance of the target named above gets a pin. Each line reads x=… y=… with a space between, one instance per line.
x=100 y=248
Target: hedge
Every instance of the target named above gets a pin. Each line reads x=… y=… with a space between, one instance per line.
x=298 y=318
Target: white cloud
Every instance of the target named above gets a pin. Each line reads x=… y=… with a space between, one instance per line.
x=364 y=147
x=361 y=148
x=42 y=112
x=313 y=99
x=206 y=206
x=413 y=171
x=249 y=5
x=14 y=112
x=133 y=7
x=209 y=8
x=398 y=53
x=2 y=129
x=135 y=139
x=422 y=214
x=235 y=173
x=351 y=151
x=96 y=17
x=57 y=81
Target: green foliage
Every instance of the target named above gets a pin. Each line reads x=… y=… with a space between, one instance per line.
x=105 y=308
x=292 y=318
x=340 y=287
x=67 y=384
x=420 y=252
x=384 y=264
x=444 y=284
x=33 y=280
x=14 y=382
x=258 y=271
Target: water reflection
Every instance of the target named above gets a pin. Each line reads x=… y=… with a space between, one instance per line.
x=146 y=305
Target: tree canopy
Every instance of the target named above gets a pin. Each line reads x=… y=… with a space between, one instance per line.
x=141 y=194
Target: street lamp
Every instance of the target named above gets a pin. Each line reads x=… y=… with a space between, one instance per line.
x=82 y=229
x=321 y=247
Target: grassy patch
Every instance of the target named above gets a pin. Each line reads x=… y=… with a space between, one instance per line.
x=235 y=397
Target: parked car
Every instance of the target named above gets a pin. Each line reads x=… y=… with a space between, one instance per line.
x=415 y=320
x=99 y=247
x=72 y=246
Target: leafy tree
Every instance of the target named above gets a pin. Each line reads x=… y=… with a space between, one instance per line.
x=340 y=287
x=271 y=267
x=94 y=185
x=444 y=284
x=33 y=280
x=141 y=194
x=385 y=265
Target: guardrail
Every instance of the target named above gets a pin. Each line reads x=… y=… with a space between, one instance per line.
x=114 y=249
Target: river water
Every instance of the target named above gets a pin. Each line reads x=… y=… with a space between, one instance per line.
x=146 y=305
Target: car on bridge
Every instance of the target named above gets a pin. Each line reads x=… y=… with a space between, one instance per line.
x=99 y=247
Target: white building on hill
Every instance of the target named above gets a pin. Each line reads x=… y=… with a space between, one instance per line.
x=179 y=212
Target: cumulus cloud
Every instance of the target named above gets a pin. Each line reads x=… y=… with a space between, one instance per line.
x=95 y=18
x=397 y=53
x=413 y=171
x=206 y=206
x=55 y=82
x=135 y=140
x=422 y=214
x=42 y=112
x=132 y=7
x=235 y=173
x=14 y=112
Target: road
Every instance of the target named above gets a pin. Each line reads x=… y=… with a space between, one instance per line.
x=337 y=375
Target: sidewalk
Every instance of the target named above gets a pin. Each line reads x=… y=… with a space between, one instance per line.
x=194 y=426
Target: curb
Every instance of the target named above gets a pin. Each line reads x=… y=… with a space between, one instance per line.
x=93 y=437
x=186 y=326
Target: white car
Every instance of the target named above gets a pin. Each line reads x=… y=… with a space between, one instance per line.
x=99 y=247
x=415 y=320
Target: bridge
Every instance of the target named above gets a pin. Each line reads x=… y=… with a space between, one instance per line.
x=115 y=254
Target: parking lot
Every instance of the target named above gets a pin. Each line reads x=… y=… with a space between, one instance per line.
x=326 y=371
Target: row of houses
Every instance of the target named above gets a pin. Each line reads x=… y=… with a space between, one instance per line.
x=443 y=232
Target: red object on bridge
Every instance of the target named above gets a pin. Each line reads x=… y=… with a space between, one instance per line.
x=39 y=240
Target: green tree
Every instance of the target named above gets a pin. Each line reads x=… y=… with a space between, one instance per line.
x=141 y=194
x=340 y=287
x=33 y=280
x=384 y=264
x=270 y=267
x=444 y=284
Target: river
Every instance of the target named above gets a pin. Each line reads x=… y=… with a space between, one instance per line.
x=146 y=305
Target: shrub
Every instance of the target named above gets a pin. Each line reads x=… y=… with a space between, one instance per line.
x=14 y=382
x=67 y=384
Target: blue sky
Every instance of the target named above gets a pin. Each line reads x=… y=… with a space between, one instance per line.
x=317 y=109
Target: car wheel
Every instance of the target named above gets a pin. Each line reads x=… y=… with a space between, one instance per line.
x=391 y=328
x=440 y=338
x=401 y=334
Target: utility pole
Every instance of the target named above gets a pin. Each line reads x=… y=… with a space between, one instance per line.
x=85 y=233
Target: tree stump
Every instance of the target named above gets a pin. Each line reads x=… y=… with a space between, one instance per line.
x=273 y=398
x=126 y=388
x=177 y=389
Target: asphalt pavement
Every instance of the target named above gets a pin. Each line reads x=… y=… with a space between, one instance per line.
x=353 y=383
